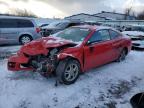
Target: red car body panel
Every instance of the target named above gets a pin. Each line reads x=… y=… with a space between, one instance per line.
x=17 y=60
x=88 y=56
x=41 y=46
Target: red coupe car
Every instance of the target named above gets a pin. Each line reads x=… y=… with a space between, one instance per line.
x=71 y=52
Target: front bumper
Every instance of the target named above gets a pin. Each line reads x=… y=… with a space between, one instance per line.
x=15 y=63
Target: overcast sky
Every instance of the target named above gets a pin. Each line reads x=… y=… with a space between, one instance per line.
x=62 y=8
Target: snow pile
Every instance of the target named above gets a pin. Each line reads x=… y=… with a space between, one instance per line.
x=109 y=86
x=10 y=48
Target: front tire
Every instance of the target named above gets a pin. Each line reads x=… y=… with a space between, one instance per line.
x=68 y=71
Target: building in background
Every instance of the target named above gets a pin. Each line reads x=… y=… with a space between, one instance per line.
x=115 y=16
x=100 y=16
x=85 y=17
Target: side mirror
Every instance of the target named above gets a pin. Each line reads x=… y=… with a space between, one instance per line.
x=89 y=43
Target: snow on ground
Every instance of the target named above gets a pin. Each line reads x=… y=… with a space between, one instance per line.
x=7 y=51
x=13 y=48
x=109 y=86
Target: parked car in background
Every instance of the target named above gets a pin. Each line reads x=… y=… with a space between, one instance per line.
x=138 y=44
x=92 y=23
x=71 y=52
x=58 y=26
x=137 y=38
x=134 y=34
x=135 y=28
x=18 y=30
x=43 y=25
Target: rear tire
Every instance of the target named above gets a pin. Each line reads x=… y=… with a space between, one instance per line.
x=122 y=55
x=68 y=71
x=25 y=39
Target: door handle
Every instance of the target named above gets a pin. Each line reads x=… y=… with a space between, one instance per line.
x=91 y=48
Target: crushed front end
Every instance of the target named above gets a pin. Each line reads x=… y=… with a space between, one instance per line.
x=15 y=63
x=39 y=56
x=35 y=58
x=21 y=61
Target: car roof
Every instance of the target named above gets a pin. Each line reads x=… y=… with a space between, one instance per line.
x=95 y=27
x=20 y=18
x=16 y=17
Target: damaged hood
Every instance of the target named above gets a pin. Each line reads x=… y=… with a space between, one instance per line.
x=55 y=42
x=41 y=46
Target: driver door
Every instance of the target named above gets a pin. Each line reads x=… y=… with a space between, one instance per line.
x=98 y=50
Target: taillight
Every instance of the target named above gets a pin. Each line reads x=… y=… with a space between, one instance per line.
x=38 y=29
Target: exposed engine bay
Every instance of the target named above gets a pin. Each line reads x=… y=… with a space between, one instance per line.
x=46 y=64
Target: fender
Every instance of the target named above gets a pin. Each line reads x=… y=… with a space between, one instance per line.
x=25 y=32
x=76 y=56
x=62 y=56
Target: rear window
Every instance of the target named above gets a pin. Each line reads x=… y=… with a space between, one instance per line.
x=114 y=34
x=15 y=23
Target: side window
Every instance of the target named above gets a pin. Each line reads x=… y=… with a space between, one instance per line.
x=105 y=35
x=95 y=37
x=8 y=23
x=114 y=34
x=24 y=23
x=101 y=35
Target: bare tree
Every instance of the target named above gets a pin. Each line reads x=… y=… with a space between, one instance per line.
x=23 y=13
x=127 y=12
x=114 y=11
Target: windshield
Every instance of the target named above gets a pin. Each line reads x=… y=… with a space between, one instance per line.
x=58 y=24
x=74 y=34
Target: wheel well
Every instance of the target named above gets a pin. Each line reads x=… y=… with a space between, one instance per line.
x=69 y=58
x=26 y=35
x=126 y=49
